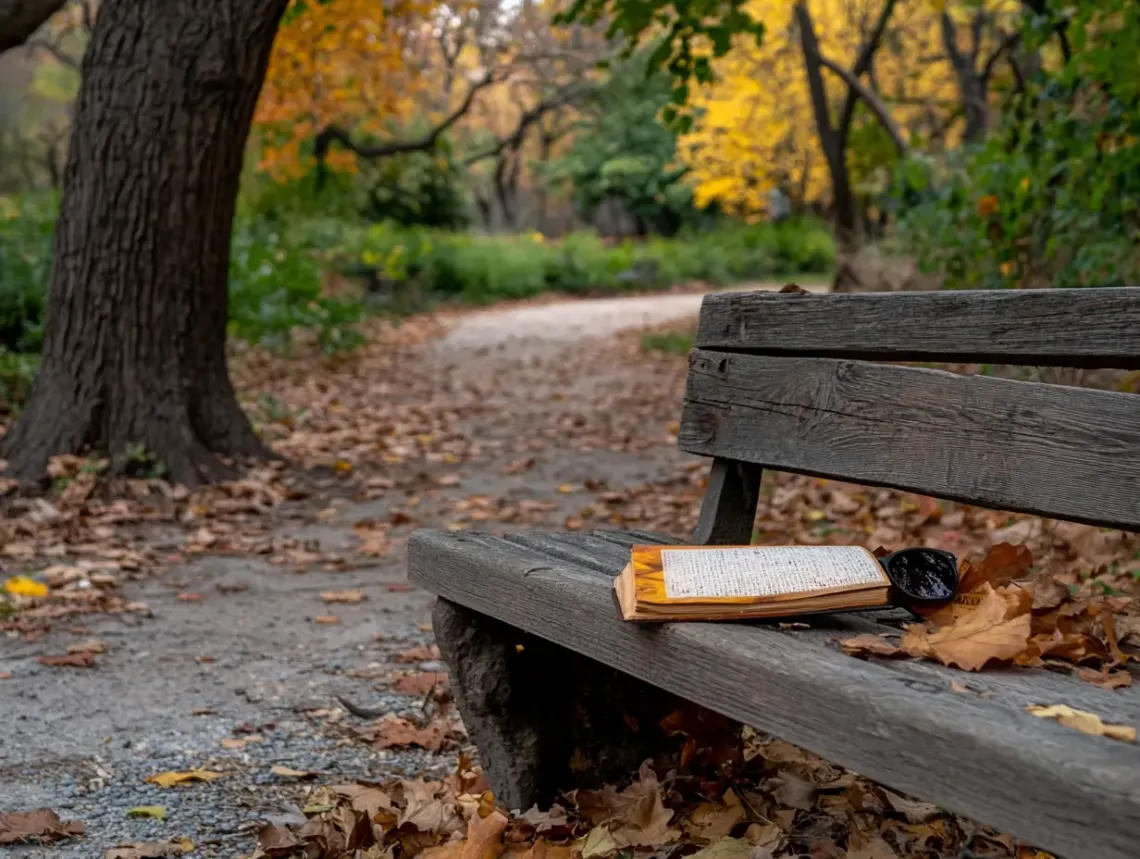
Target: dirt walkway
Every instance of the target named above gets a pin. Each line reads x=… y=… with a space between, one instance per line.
x=239 y=647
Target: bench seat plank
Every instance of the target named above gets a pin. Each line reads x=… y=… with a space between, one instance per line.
x=1043 y=327
x=897 y=722
x=1024 y=446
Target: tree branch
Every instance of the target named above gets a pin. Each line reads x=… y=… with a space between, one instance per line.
x=1007 y=44
x=397 y=147
x=870 y=99
x=19 y=19
x=529 y=117
x=862 y=65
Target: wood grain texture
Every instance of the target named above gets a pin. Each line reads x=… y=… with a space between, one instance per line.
x=1043 y=327
x=728 y=510
x=1071 y=453
x=898 y=723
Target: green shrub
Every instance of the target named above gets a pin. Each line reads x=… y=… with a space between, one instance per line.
x=479 y=269
x=275 y=289
x=26 y=225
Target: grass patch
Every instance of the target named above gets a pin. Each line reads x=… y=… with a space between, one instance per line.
x=669 y=342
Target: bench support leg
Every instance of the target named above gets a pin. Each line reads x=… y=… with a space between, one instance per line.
x=728 y=512
x=546 y=720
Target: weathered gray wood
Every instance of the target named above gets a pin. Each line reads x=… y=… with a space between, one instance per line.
x=545 y=719
x=728 y=510
x=1072 y=453
x=899 y=723
x=1044 y=327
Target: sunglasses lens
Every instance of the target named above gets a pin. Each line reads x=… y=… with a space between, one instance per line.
x=924 y=574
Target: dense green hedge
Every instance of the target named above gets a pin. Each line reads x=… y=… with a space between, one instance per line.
x=482 y=269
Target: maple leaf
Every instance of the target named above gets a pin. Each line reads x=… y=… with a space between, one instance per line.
x=997 y=629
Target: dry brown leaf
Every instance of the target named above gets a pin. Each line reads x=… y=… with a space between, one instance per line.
x=92 y=646
x=420 y=682
x=597 y=843
x=1003 y=564
x=869 y=847
x=83 y=659
x=277 y=841
x=350 y=596
x=40 y=826
x=289 y=773
x=1108 y=679
x=1084 y=721
x=913 y=810
x=485 y=836
x=986 y=634
x=868 y=644
x=326 y=619
x=149 y=850
x=394 y=732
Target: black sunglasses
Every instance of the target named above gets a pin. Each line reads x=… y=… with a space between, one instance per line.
x=921 y=576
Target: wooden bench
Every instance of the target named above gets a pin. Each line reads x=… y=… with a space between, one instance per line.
x=788 y=382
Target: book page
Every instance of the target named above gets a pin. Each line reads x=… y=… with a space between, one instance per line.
x=761 y=571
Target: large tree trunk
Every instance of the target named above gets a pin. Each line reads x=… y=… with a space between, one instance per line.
x=134 y=351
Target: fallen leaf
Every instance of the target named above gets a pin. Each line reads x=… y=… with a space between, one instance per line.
x=395 y=732
x=326 y=619
x=869 y=847
x=726 y=848
x=88 y=647
x=287 y=772
x=84 y=659
x=22 y=586
x=40 y=826
x=277 y=840
x=1084 y=721
x=157 y=812
x=1003 y=564
x=598 y=842
x=1107 y=679
x=987 y=633
x=146 y=850
x=913 y=810
x=171 y=778
x=871 y=645
x=190 y=597
x=420 y=682
x=484 y=836
x=342 y=596
x=241 y=742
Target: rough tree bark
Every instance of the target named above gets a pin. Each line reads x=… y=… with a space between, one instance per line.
x=134 y=349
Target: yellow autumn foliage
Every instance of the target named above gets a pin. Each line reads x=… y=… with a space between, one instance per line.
x=754 y=129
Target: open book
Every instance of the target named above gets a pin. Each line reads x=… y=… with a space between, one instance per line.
x=663 y=583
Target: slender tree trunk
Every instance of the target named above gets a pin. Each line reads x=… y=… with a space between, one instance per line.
x=834 y=149
x=134 y=349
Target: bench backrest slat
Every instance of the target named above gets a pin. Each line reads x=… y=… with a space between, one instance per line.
x=1046 y=327
x=1072 y=453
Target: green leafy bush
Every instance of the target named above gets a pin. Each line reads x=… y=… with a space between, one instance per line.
x=1052 y=198
x=26 y=225
x=479 y=269
x=275 y=289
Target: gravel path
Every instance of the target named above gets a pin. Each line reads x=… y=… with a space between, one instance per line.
x=249 y=657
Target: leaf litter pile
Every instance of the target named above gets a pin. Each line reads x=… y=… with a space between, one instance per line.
x=766 y=799
x=383 y=424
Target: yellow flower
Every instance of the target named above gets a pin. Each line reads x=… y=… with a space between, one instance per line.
x=536 y=236
x=22 y=586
